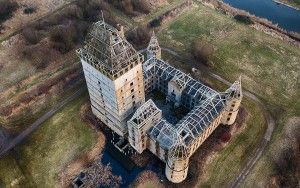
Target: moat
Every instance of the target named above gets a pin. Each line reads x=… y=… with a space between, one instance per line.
x=286 y=17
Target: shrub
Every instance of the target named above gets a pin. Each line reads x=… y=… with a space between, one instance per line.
x=225 y=137
x=243 y=19
x=155 y=22
x=31 y=35
x=7 y=7
x=139 y=36
x=62 y=38
x=131 y=7
x=202 y=51
x=6 y=111
x=29 y=10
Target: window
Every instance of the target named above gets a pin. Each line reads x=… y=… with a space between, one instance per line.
x=228 y=119
x=133 y=96
x=133 y=103
x=230 y=114
x=132 y=90
x=131 y=84
x=232 y=105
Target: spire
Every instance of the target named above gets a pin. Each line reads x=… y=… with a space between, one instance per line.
x=153 y=49
x=235 y=90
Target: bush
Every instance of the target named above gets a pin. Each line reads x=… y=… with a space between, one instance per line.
x=243 y=19
x=139 y=36
x=225 y=137
x=6 y=111
x=29 y=10
x=31 y=35
x=202 y=51
x=69 y=28
x=131 y=7
x=7 y=7
x=155 y=22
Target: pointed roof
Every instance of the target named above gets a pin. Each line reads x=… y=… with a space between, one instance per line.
x=235 y=90
x=179 y=151
x=107 y=48
x=153 y=44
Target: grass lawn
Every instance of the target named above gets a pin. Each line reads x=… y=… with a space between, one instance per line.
x=269 y=67
x=39 y=160
x=224 y=168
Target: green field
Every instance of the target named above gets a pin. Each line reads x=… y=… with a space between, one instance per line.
x=39 y=161
x=269 y=67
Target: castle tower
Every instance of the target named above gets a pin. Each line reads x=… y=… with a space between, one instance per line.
x=153 y=49
x=233 y=97
x=178 y=162
x=114 y=76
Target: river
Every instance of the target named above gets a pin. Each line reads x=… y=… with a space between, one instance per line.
x=286 y=17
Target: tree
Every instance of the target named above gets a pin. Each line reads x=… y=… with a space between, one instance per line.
x=7 y=7
x=202 y=51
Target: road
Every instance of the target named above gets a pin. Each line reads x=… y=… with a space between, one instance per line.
x=20 y=138
x=269 y=120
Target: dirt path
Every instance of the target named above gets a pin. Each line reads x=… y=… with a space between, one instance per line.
x=18 y=139
x=269 y=120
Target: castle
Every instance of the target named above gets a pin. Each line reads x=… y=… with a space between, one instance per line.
x=119 y=79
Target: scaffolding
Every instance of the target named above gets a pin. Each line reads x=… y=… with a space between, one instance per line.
x=153 y=49
x=156 y=71
x=108 y=51
x=207 y=105
x=145 y=113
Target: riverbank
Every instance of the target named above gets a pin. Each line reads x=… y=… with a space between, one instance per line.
x=288 y=4
x=261 y=24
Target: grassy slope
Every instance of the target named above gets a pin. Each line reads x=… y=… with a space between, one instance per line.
x=50 y=148
x=269 y=67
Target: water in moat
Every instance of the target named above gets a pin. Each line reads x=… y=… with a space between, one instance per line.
x=123 y=166
x=286 y=17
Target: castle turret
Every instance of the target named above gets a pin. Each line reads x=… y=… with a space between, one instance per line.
x=153 y=49
x=233 y=97
x=178 y=162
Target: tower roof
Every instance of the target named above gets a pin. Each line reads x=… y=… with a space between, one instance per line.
x=105 y=49
x=235 y=90
x=179 y=151
x=153 y=44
